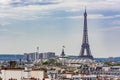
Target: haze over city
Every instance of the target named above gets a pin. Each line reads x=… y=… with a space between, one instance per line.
x=50 y=24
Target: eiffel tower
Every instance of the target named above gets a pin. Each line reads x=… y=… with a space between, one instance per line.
x=85 y=43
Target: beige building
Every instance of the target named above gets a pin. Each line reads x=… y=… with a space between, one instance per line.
x=21 y=74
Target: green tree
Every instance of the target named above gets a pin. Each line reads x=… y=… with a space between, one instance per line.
x=13 y=64
x=108 y=63
x=45 y=63
x=58 y=64
x=117 y=64
x=52 y=62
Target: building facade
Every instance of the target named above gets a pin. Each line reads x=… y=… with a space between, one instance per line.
x=35 y=55
x=21 y=74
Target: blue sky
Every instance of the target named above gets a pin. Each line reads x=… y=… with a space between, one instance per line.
x=50 y=24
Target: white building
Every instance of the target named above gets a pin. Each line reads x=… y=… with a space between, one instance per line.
x=21 y=74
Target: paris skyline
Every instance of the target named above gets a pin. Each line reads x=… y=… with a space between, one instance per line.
x=50 y=24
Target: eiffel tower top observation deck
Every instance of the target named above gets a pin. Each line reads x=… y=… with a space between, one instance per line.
x=85 y=42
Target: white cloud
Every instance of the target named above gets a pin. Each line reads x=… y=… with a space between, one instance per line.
x=115 y=22
x=94 y=16
x=70 y=4
x=5 y=1
x=77 y=5
x=113 y=28
x=23 y=13
x=3 y=23
x=33 y=10
x=3 y=30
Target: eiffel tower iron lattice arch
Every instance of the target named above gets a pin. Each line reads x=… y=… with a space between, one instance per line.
x=85 y=42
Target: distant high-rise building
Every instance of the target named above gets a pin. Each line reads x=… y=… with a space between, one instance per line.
x=30 y=56
x=85 y=43
x=35 y=55
x=48 y=55
x=51 y=54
